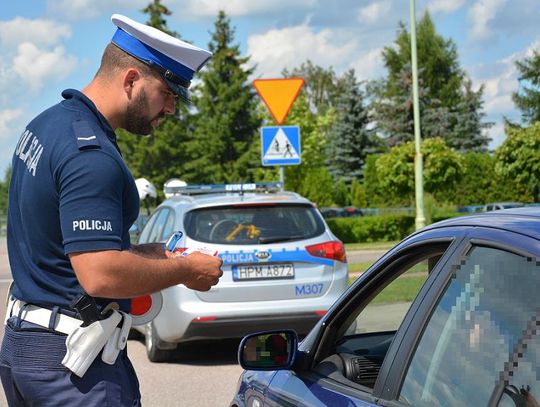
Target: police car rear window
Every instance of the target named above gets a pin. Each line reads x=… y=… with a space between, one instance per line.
x=253 y=224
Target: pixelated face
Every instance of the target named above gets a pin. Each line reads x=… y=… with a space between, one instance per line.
x=484 y=332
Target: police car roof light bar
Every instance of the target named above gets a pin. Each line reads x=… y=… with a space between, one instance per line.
x=198 y=189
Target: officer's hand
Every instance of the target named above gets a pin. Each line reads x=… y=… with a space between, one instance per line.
x=202 y=271
x=170 y=255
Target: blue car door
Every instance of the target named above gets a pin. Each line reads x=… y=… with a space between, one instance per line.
x=361 y=330
x=302 y=391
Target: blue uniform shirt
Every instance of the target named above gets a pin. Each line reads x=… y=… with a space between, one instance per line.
x=70 y=192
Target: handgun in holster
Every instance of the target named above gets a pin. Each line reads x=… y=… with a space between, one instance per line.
x=97 y=332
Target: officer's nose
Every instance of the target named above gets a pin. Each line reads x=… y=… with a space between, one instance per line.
x=170 y=105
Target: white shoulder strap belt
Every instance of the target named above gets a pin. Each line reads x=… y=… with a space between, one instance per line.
x=41 y=316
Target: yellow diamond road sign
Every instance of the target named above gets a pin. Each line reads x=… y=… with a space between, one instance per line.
x=278 y=95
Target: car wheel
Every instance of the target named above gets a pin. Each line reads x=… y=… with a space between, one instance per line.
x=151 y=340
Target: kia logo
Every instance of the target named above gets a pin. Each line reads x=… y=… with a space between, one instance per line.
x=262 y=255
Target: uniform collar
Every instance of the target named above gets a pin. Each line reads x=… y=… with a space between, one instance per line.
x=85 y=100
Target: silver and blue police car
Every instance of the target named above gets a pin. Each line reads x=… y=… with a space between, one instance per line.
x=282 y=266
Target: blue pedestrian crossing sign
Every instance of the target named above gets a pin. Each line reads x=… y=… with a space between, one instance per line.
x=280 y=145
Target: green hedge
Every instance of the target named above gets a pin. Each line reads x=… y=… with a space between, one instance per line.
x=385 y=228
x=372 y=228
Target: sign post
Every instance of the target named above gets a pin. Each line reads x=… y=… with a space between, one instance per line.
x=279 y=145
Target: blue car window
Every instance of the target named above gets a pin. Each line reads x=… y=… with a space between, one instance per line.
x=158 y=226
x=483 y=332
x=386 y=311
x=168 y=229
x=143 y=238
x=376 y=315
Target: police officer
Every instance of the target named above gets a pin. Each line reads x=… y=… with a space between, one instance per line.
x=71 y=202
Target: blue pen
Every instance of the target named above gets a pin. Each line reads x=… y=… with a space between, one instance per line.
x=172 y=241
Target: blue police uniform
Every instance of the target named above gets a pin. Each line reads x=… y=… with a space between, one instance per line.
x=74 y=194
x=70 y=192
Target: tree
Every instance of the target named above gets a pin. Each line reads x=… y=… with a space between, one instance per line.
x=480 y=183
x=321 y=85
x=395 y=115
x=310 y=179
x=350 y=139
x=518 y=161
x=342 y=195
x=358 y=194
x=4 y=188
x=437 y=58
x=528 y=100
x=443 y=168
x=449 y=108
x=374 y=194
x=156 y=11
x=223 y=143
x=468 y=125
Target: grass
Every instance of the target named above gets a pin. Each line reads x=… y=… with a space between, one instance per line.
x=402 y=289
x=363 y=266
x=359 y=267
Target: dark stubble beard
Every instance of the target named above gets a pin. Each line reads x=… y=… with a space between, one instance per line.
x=137 y=121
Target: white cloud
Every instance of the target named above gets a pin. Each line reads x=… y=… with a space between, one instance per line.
x=500 y=80
x=289 y=47
x=480 y=15
x=445 y=6
x=535 y=46
x=374 y=12
x=9 y=83
x=74 y=10
x=31 y=53
x=6 y=117
x=369 y=65
x=9 y=135
x=497 y=135
x=235 y=8
x=40 y=32
x=499 y=88
x=35 y=65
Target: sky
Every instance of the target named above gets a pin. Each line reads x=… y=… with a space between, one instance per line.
x=47 y=46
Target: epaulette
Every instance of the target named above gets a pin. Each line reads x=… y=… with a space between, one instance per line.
x=86 y=138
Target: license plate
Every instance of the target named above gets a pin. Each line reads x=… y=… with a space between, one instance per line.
x=263 y=271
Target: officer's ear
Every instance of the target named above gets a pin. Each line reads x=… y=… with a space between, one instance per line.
x=131 y=76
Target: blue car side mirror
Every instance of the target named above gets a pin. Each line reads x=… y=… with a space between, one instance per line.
x=269 y=350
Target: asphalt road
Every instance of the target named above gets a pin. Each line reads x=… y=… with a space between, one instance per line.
x=202 y=374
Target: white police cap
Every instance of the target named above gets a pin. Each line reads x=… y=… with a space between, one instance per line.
x=173 y=58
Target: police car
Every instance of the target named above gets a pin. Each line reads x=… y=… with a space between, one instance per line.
x=282 y=266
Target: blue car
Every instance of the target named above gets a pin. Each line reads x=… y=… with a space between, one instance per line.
x=448 y=317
